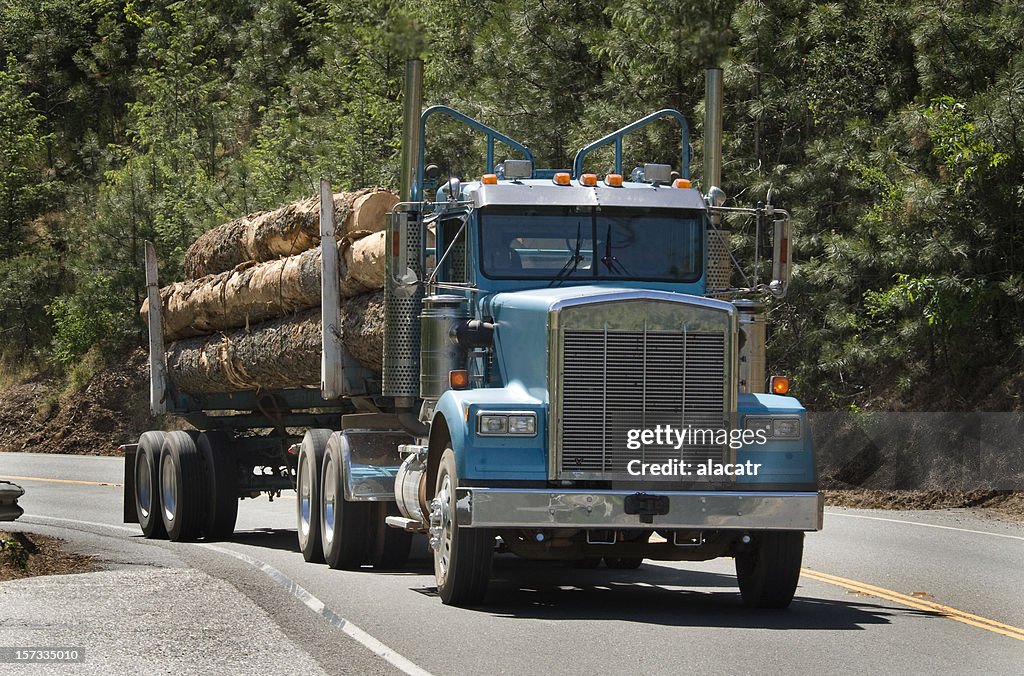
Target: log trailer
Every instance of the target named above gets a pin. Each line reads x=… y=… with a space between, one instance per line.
x=569 y=373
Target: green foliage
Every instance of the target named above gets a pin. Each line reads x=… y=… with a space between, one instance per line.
x=893 y=131
x=12 y=550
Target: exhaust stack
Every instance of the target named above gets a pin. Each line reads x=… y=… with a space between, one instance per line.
x=412 y=107
x=719 y=273
x=712 y=128
x=403 y=296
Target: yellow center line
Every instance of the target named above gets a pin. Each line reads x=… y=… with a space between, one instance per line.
x=62 y=481
x=917 y=603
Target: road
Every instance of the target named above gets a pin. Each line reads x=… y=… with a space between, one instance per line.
x=882 y=591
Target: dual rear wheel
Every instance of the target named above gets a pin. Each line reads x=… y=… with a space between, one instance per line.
x=344 y=534
x=185 y=485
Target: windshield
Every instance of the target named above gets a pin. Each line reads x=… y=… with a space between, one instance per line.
x=584 y=243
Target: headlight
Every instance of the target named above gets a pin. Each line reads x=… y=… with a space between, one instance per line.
x=522 y=424
x=774 y=427
x=497 y=424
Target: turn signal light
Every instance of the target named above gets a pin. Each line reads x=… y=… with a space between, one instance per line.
x=681 y=183
x=589 y=180
x=561 y=178
x=458 y=380
x=489 y=179
x=780 y=385
x=613 y=180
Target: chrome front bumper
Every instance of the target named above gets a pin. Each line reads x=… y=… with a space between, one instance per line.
x=718 y=510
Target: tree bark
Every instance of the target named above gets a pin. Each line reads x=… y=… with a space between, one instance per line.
x=285 y=231
x=256 y=292
x=280 y=354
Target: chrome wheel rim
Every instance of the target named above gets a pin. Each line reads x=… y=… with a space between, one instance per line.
x=329 y=500
x=168 y=490
x=443 y=551
x=305 y=498
x=143 y=483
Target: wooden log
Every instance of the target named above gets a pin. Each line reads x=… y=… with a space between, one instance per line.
x=284 y=231
x=280 y=354
x=256 y=292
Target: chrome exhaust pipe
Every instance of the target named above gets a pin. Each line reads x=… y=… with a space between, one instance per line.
x=412 y=107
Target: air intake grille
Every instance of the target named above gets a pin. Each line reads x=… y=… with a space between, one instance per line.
x=616 y=381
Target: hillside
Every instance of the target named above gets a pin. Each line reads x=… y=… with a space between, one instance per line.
x=891 y=130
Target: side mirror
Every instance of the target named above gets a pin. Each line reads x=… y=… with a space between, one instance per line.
x=782 y=257
x=398 y=250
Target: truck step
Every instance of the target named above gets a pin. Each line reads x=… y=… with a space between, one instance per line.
x=405 y=524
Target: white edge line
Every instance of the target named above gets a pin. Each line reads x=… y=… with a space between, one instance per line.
x=399 y=661
x=320 y=608
x=926 y=525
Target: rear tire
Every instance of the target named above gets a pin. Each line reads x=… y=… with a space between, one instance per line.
x=344 y=532
x=390 y=548
x=182 y=500
x=147 y=485
x=462 y=556
x=307 y=487
x=217 y=450
x=768 y=575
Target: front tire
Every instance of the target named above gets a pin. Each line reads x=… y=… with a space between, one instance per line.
x=462 y=556
x=768 y=575
x=181 y=487
x=307 y=486
x=343 y=524
x=147 y=485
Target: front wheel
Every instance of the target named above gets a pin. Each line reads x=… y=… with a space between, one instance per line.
x=462 y=556
x=768 y=575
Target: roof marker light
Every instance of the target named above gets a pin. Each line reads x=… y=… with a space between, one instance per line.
x=489 y=179
x=561 y=178
x=589 y=180
x=613 y=180
x=681 y=183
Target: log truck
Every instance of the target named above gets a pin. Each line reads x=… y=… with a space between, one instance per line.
x=569 y=373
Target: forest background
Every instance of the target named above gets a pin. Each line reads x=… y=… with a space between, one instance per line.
x=893 y=131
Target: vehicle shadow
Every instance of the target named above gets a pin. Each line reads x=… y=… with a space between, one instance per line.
x=661 y=595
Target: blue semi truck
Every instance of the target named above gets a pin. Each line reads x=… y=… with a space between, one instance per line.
x=570 y=374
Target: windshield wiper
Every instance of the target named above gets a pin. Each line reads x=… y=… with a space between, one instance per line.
x=574 y=260
x=609 y=260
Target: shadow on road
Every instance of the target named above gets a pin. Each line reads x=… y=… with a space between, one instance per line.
x=651 y=594
x=659 y=595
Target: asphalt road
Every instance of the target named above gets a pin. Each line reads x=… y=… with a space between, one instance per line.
x=882 y=591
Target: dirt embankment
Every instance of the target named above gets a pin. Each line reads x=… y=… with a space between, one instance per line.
x=111 y=408
x=28 y=555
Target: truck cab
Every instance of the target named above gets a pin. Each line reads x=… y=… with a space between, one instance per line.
x=589 y=388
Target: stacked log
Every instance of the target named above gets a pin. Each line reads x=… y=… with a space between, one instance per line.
x=254 y=292
x=283 y=353
x=247 y=315
x=285 y=231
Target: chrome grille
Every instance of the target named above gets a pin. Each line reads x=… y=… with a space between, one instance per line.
x=617 y=380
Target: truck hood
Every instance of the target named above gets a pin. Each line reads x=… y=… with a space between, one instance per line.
x=522 y=321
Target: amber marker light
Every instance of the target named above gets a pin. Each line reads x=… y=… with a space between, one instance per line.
x=589 y=180
x=681 y=183
x=489 y=179
x=458 y=380
x=780 y=385
x=613 y=180
x=561 y=178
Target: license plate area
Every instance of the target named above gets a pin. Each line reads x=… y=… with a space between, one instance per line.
x=646 y=506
